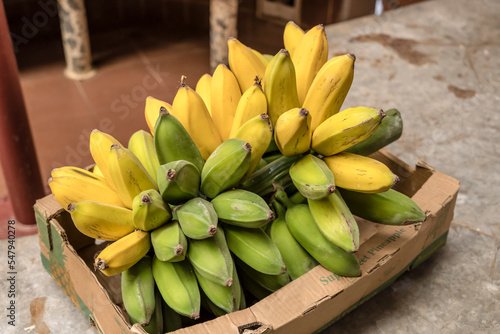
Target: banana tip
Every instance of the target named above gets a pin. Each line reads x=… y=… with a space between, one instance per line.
x=212 y=229
x=229 y=282
x=163 y=111
x=303 y=112
x=171 y=174
x=247 y=147
x=146 y=199
x=352 y=56
x=331 y=189
x=283 y=271
x=100 y=264
x=179 y=249
x=71 y=207
x=270 y=215
x=195 y=315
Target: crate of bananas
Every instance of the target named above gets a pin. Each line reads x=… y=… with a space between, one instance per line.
x=243 y=184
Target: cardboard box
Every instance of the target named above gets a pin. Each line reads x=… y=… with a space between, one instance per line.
x=314 y=301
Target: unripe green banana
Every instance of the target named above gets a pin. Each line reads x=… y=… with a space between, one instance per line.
x=178 y=286
x=280 y=86
x=225 y=298
x=225 y=167
x=345 y=129
x=270 y=283
x=212 y=259
x=141 y=143
x=389 y=130
x=100 y=220
x=150 y=211
x=254 y=247
x=169 y=243
x=296 y=259
x=301 y=224
x=242 y=208
x=335 y=221
x=128 y=174
x=156 y=325
x=173 y=142
x=138 y=291
x=250 y=284
x=312 y=177
x=390 y=207
x=178 y=181
x=261 y=182
x=197 y=218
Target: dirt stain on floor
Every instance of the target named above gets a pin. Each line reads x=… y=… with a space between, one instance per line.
x=461 y=93
x=404 y=47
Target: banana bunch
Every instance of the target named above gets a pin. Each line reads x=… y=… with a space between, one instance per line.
x=242 y=184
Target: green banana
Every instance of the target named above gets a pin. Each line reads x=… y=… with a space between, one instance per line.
x=389 y=130
x=225 y=298
x=251 y=285
x=270 y=283
x=212 y=259
x=156 y=325
x=242 y=208
x=390 y=207
x=171 y=320
x=197 y=218
x=254 y=247
x=173 y=142
x=312 y=177
x=169 y=243
x=178 y=286
x=261 y=181
x=149 y=211
x=225 y=167
x=127 y=174
x=141 y=143
x=335 y=221
x=301 y=224
x=178 y=181
x=296 y=259
x=138 y=291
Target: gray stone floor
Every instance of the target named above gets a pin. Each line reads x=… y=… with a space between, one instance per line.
x=438 y=62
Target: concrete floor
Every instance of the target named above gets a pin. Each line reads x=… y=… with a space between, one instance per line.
x=437 y=62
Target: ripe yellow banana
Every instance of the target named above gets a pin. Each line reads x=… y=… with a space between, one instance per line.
x=329 y=88
x=224 y=96
x=188 y=107
x=292 y=36
x=97 y=171
x=152 y=111
x=310 y=54
x=253 y=102
x=123 y=253
x=127 y=174
x=100 y=144
x=292 y=132
x=101 y=221
x=203 y=88
x=280 y=86
x=345 y=129
x=244 y=63
x=142 y=145
x=73 y=184
x=258 y=132
x=149 y=211
x=359 y=173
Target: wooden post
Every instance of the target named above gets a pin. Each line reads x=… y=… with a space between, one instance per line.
x=75 y=39
x=17 y=151
x=223 y=25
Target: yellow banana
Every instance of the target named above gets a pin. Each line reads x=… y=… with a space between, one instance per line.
x=100 y=143
x=224 y=96
x=359 y=173
x=244 y=63
x=188 y=107
x=329 y=88
x=346 y=129
x=127 y=174
x=97 y=171
x=252 y=103
x=101 y=221
x=123 y=253
x=292 y=132
x=309 y=56
x=152 y=111
x=258 y=132
x=260 y=56
x=292 y=36
x=280 y=86
x=73 y=184
x=141 y=143
x=203 y=88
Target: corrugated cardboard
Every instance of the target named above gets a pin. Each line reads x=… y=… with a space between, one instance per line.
x=315 y=300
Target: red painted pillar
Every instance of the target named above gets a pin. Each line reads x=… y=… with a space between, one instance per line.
x=17 y=151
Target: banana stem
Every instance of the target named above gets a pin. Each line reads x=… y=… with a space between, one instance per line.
x=282 y=197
